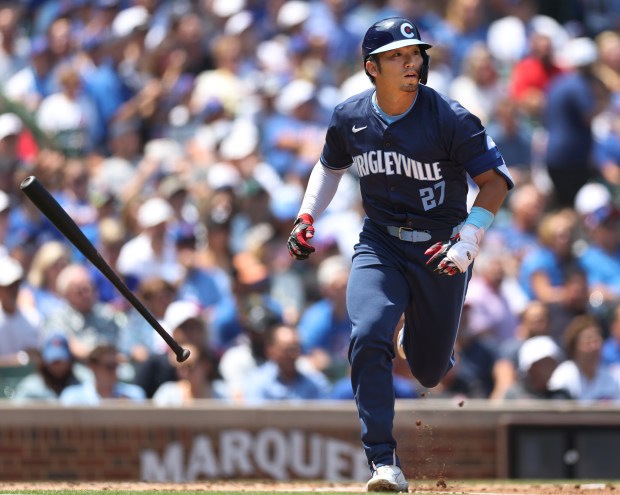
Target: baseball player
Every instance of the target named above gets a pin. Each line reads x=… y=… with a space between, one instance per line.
x=412 y=149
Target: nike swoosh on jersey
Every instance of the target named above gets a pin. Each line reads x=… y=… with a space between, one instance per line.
x=358 y=129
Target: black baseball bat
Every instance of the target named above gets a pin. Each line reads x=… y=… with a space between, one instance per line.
x=45 y=202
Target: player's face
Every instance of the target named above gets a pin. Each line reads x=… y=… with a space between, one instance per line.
x=400 y=69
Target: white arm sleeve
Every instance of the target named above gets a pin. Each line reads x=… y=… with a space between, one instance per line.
x=322 y=186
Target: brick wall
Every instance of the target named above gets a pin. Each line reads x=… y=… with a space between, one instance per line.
x=437 y=439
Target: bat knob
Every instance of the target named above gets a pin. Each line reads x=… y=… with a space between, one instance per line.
x=182 y=355
x=27 y=181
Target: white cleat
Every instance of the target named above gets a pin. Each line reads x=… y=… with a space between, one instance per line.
x=400 y=340
x=387 y=479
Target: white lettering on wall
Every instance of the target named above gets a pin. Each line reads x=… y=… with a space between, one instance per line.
x=279 y=454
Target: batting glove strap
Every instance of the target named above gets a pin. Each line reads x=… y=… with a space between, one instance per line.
x=458 y=253
x=297 y=243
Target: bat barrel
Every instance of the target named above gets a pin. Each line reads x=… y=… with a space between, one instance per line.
x=46 y=203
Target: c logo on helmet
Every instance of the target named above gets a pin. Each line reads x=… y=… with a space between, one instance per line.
x=407 y=30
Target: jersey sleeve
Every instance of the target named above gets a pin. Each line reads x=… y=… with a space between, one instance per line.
x=335 y=154
x=474 y=148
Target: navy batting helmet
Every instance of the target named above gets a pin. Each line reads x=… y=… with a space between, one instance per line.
x=391 y=33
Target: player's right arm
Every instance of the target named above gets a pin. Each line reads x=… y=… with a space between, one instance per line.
x=322 y=186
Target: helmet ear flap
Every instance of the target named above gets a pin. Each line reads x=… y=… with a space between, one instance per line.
x=426 y=62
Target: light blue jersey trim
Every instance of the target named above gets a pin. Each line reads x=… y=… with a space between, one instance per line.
x=390 y=119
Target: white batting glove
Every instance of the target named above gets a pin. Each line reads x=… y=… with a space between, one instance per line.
x=458 y=253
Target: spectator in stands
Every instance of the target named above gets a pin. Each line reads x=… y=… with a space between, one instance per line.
x=538 y=357
x=472 y=374
x=513 y=137
x=281 y=377
x=54 y=372
x=519 y=233
x=250 y=282
x=41 y=290
x=607 y=147
x=466 y=25
x=248 y=352
x=542 y=271
x=205 y=285
x=103 y=361
x=575 y=301
x=32 y=83
x=478 y=87
x=138 y=340
x=583 y=375
x=530 y=77
x=152 y=253
x=601 y=258
x=11 y=161
x=111 y=236
x=74 y=198
x=5 y=206
x=325 y=327
x=573 y=100
x=533 y=322
x=293 y=135
x=20 y=328
x=611 y=346
x=490 y=315
x=69 y=116
x=185 y=322
x=608 y=67
x=12 y=50
x=85 y=321
x=195 y=380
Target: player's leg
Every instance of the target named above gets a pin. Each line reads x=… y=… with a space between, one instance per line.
x=376 y=295
x=431 y=323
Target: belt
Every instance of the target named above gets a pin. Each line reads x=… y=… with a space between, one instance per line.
x=412 y=235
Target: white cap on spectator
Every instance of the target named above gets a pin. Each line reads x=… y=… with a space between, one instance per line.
x=153 y=212
x=294 y=94
x=178 y=313
x=591 y=197
x=578 y=52
x=238 y=23
x=163 y=150
x=242 y=140
x=226 y=8
x=5 y=201
x=10 y=271
x=114 y=174
x=536 y=348
x=331 y=268
x=127 y=20
x=273 y=56
x=223 y=175
x=10 y=125
x=293 y=13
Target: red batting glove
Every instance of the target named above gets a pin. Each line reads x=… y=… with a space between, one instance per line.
x=302 y=232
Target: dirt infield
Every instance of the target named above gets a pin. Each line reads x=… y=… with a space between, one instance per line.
x=438 y=487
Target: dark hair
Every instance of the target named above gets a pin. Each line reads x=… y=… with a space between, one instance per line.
x=577 y=325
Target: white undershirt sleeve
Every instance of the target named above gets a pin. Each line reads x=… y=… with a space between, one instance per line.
x=322 y=186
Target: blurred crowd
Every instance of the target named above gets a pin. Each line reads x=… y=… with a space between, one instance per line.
x=179 y=135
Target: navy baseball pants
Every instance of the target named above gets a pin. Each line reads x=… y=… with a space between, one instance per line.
x=389 y=278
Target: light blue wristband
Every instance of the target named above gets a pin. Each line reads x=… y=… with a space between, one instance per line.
x=480 y=217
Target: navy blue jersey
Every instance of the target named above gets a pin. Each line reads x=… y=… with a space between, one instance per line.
x=412 y=172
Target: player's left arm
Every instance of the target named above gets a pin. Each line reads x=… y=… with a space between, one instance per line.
x=494 y=182
x=456 y=255
x=493 y=190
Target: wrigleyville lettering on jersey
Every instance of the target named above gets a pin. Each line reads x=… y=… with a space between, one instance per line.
x=394 y=163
